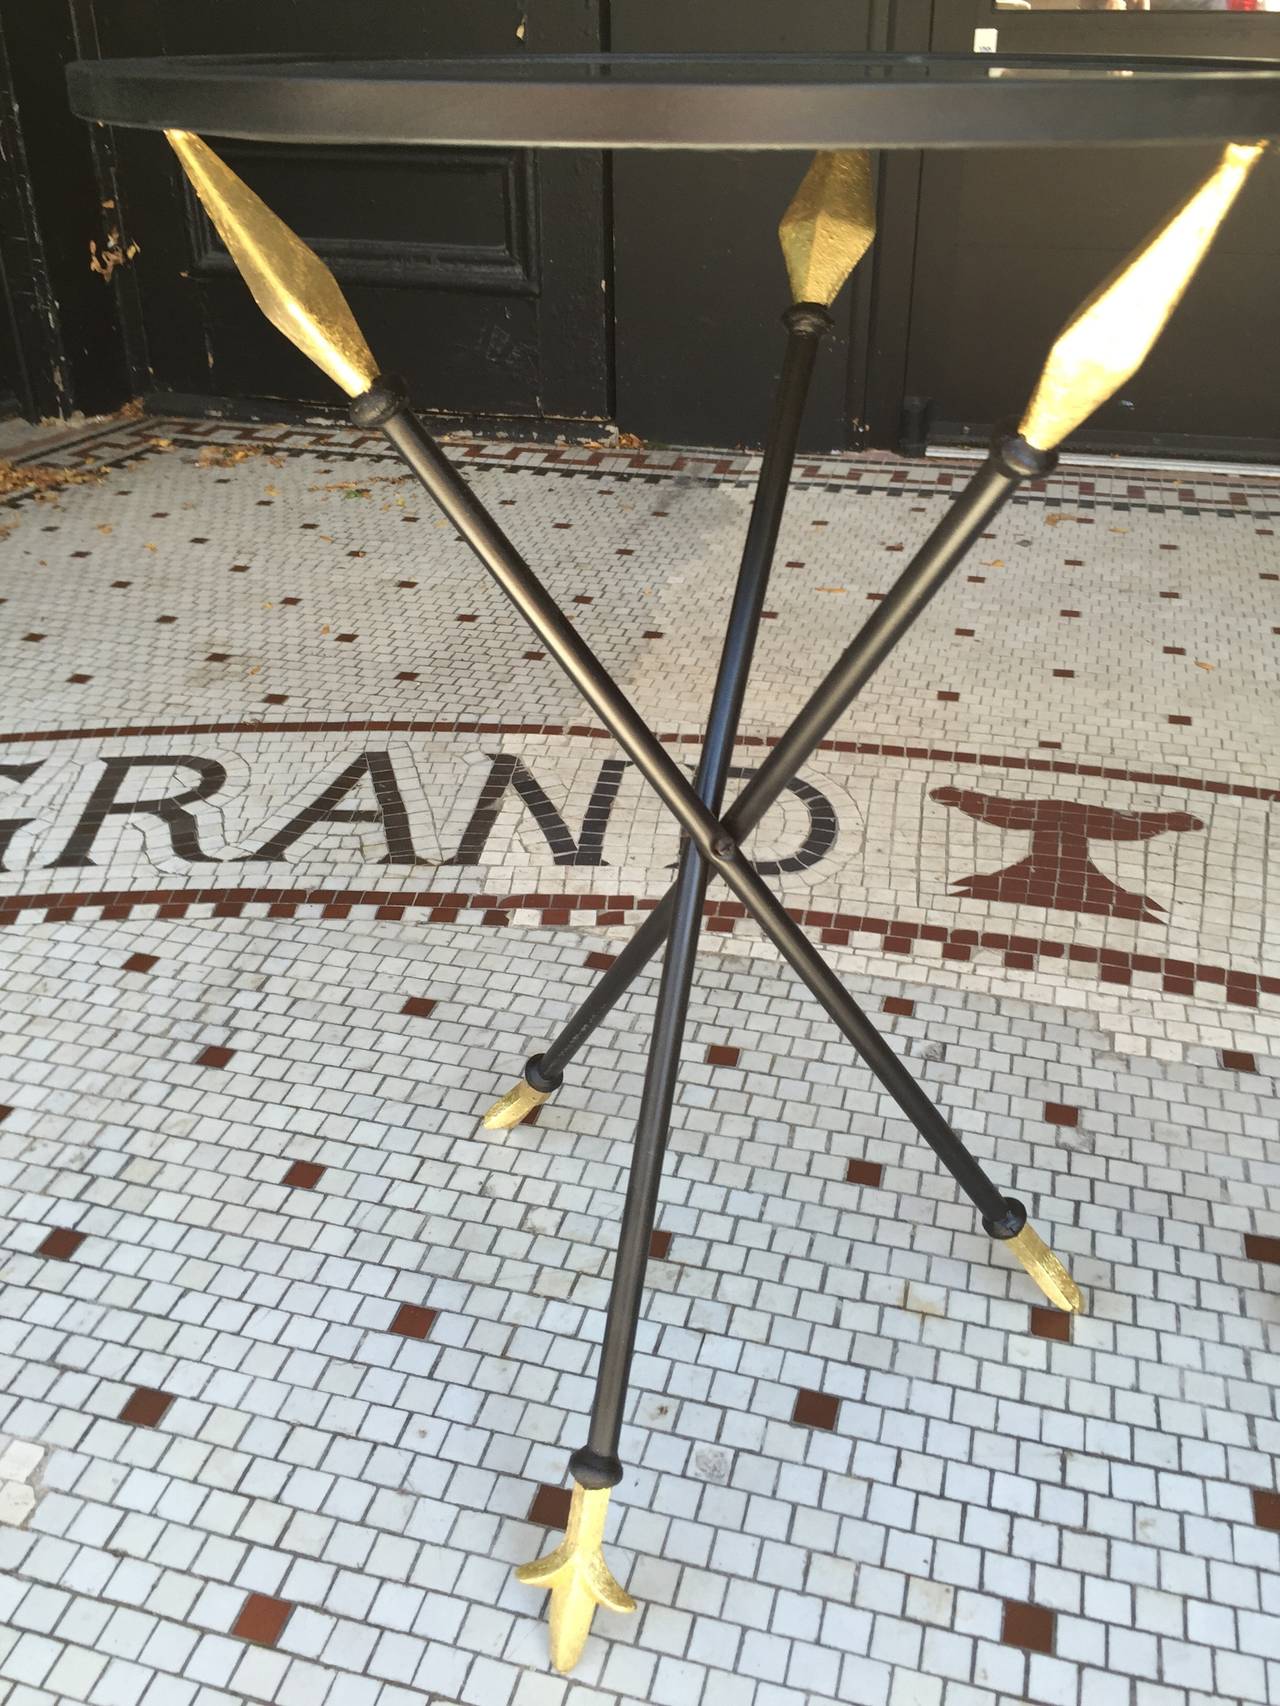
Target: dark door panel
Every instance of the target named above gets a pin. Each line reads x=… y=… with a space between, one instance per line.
x=475 y=273
x=1011 y=242
x=699 y=278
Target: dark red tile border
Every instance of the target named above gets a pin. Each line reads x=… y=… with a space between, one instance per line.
x=445 y=907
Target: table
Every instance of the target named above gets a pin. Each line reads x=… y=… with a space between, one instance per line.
x=840 y=106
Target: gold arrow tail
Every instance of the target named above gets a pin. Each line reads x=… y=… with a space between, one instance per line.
x=289 y=282
x=1108 y=339
x=578 y=1577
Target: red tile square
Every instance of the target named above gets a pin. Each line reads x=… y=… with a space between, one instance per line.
x=60 y=1244
x=419 y=1006
x=898 y=1004
x=720 y=1054
x=262 y=1619
x=550 y=1507
x=5 y=1110
x=1266 y=1509
x=659 y=1244
x=412 y=1321
x=599 y=961
x=303 y=1175
x=1050 y=1323
x=864 y=1173
x=140 y=962
x=815 y=1409
x=1061 y=1113
x=145 y=1407
x=1259 y=1249
x=214 y=1055
x=1235 y=1060
x=1028 y=1626
x=407 y=675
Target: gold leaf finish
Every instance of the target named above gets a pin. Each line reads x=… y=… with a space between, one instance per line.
x=291 y=284
x=1046 y=1270
x=1108 y=339
x=510 y=1109
x=577 y=1576
x=829 y=225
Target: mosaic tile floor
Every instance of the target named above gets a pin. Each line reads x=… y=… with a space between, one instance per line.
x=305 y=847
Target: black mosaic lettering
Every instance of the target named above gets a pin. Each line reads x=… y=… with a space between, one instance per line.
x=9 y=826
x=390 y=812
x=507 y=771
x=102 y=804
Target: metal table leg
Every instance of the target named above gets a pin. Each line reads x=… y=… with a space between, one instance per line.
x=1098 y=350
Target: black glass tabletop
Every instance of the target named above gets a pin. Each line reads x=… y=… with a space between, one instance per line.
x=734 y=101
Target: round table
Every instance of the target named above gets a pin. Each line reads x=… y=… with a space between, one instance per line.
x=839 y=105
x=738 y=101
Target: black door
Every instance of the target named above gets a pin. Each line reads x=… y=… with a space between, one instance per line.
x=478 y=274
x=699 y=277
x=1011 y=242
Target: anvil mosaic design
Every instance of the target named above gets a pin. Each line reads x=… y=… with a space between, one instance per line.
x=824 y=234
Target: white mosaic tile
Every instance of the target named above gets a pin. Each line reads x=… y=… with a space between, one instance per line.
x=254 y=1164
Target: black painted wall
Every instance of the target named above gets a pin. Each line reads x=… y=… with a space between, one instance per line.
x=558 y=291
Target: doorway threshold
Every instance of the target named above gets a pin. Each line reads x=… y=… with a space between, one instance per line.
x=1082 y=459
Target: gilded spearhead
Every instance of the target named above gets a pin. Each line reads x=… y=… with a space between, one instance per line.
x=289 y=282
x=829 y=225
x=1108 y=339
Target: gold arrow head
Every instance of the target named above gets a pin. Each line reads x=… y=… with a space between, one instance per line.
x=290 y=283
x=1110 y=336
x=510 y=1109
x=577 y=1576
x=1046 y=1270
x=829 y=225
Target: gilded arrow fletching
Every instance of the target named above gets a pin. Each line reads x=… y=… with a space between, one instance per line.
x=288 y=281
x=1046 y=1270
x=577 y=1577
x=1108 y=339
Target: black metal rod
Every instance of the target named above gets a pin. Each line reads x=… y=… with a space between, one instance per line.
x=1010 y=463
x=598 y=1462
x=385 y=405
